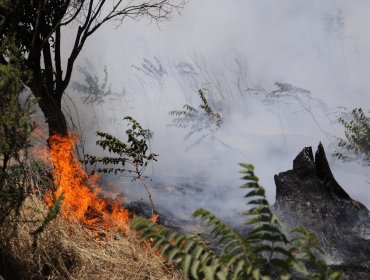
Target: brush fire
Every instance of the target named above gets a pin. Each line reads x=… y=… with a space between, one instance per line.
x=83 y=199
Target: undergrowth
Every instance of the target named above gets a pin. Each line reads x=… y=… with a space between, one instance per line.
x=266 y=252
x=356 y=144
x=67 y=250
x=130 y=158
x=204 y=119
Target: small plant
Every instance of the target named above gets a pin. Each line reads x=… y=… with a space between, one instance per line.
x=152 y=69
x=265 y=253
x=132 y=157
x=196 y=120
x=93 y=92
x=356 y=145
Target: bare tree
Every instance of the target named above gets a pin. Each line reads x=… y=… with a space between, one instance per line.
x=36 y=28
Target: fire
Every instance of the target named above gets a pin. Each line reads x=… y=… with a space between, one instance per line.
x=82 y=201
x=154 y=219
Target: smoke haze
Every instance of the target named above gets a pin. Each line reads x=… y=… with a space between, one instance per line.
x=319 y=52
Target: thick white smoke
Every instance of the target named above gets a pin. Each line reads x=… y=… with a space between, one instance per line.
x=235 y=50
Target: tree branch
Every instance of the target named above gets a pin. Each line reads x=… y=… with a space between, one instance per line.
x=155 y=9
x=48 y=72
x=57 y=60
x=76 y=49
x=36 y=31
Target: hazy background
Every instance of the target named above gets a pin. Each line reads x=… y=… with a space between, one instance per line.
x=235 y=50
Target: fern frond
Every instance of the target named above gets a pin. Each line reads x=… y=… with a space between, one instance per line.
x=187 y=253
x=228 y=238
x=264 y=250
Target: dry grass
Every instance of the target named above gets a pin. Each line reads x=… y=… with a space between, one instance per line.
x=70 y=251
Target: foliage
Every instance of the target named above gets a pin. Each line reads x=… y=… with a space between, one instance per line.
x=132 y=156
x=356 y=145
x=53 y=212
x=15 y=122
x=12 y=193
x=92 y=91
x=134 y=152
x=19 y=174
x=154 y=69
x=37 y=29
x=15 y=129
x=265 y=253
x=197 y=120
x=4 y=9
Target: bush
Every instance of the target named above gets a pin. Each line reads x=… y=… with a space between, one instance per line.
x=356 y=145
x=15 y=128
x=19 y=175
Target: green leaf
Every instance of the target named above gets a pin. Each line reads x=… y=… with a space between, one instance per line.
x=185 y=264
x=256 y=192
x=238 y=269
x=209 y=272
x=194 y=268
x=247 y=166
x=172 y=254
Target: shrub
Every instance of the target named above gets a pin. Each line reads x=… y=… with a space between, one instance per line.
x=18 y=173
x=15 y=128
x=131 y=157
x=356 y=145
x=204 y=120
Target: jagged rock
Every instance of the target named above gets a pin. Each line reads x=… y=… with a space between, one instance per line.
x=308 y=195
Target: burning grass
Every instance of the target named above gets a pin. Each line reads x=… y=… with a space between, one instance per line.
x=89 y=239
x=68 y=250
x=81 y=201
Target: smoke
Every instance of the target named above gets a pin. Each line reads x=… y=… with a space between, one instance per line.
x=317 y=51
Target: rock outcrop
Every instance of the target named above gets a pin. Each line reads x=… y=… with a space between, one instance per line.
x=309 y=195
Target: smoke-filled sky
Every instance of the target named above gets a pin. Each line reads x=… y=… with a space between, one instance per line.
x=235 y=50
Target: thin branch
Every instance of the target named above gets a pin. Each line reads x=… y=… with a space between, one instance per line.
x=48 y=68
x=78 y=44
x=163 y=8
x=36 y=32
x=154 y=208
x=57 y=59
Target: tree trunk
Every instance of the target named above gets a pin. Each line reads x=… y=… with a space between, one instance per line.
x=52 y=110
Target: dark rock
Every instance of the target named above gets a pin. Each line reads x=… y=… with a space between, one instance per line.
x=308 y=195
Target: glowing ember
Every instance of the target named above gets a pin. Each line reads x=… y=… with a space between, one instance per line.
x=81 y=201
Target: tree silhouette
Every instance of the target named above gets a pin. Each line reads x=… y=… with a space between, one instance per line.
x=36 y=28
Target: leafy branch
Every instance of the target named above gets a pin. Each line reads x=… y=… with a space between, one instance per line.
x=131 y=157
x=357 y=142
x=197 y=120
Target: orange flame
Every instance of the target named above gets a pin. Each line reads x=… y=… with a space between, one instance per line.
x=82 y=201
x=154 y=219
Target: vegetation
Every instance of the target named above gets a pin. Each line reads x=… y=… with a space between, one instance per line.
x=20 y=175
x=36 y=27
x=15 y=122
x=356 y=145
x=196 y=120
x=37 y=243
x=67 y=250
x=93 y=92
x=191 y=117
x=131 y=158
x=15 y=129
x=265 y=253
